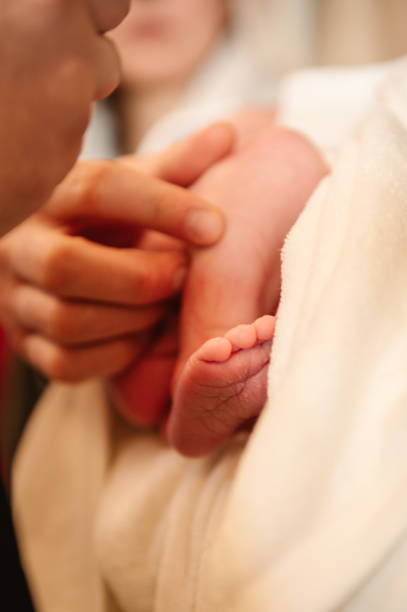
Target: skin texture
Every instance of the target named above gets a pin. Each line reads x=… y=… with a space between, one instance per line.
x=55 y=61
x=80 y=292
x=261 y=187
x=222 y=387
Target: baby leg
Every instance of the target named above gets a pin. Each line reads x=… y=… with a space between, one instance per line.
x=261 y=188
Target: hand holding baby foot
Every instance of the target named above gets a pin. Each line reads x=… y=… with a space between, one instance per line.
x=81 y=292
x=221 y=369
x=262 y=187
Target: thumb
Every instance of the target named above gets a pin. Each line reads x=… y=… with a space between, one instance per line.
x=185 y=161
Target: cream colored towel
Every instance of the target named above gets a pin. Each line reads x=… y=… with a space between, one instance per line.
x=311 y=515
x=328 y=104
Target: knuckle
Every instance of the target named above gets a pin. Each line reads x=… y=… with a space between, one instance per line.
x=159 y=278
x=63 y=326
x=163 y=203
x=89 y=179
x=55 y=272
x=144 y=283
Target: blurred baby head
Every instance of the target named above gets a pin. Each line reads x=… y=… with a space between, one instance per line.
x=165 y=40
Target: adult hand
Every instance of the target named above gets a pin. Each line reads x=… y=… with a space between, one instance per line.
x=55 y=61
x=76 y=307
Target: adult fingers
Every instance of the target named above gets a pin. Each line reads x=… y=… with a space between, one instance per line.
x=185 y=161
x=76 y=364
x=115 y=191
x=74 y=267
x=74 y=323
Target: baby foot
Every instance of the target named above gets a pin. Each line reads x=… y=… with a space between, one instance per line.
x=222 y=386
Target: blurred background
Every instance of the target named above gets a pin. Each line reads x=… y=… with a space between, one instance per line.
x=188 y=62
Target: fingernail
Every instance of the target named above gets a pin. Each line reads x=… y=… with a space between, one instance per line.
x=204 y=226
x=179 y=278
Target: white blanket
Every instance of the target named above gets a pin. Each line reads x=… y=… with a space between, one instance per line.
x=311 y=514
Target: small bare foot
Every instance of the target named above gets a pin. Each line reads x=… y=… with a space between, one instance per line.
x=223 y=385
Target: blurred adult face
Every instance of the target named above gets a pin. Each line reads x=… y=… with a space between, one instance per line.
x=164 y=40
